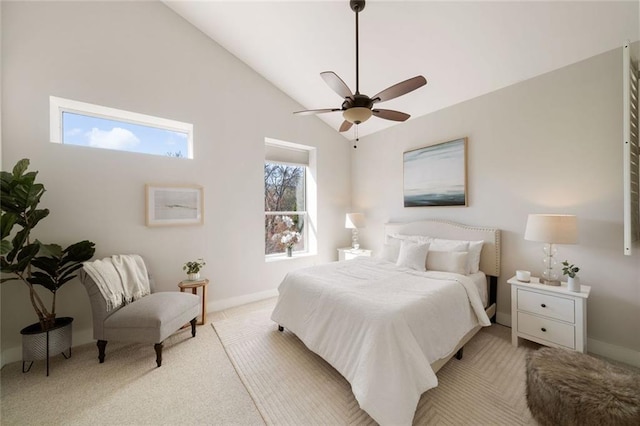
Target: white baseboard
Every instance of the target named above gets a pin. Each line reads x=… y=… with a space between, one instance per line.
x=220 y=305
x=617 y=353
x=597 y=347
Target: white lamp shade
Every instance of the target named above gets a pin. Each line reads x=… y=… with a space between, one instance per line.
x=552 y=228
x=354 y=220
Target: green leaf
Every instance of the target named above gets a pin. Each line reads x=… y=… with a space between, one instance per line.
x=44 y=280
x=5 y=247
x=20 y=167
x=25 y=255
x=7 y=220
x=47 y=264
x=52 y=250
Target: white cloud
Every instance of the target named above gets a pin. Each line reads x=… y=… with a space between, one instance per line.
x=73 y=132
x=180 y=135
x=116 y=138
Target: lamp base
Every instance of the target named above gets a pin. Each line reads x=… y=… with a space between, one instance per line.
x=554 y=283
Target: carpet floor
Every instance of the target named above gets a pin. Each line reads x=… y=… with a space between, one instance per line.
x=292 y=386
x=196 y=385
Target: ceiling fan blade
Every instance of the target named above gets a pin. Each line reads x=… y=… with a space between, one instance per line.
x=336 y=83
x=316 y=111
x=345 y=126
x=400 y=89
x=389 y=114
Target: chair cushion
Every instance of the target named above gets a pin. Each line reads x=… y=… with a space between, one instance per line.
x=152 y=318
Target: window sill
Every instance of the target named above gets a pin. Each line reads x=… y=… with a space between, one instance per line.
x=283 y=256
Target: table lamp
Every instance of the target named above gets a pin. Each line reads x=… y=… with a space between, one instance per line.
x=354 y=221
x=551 y=229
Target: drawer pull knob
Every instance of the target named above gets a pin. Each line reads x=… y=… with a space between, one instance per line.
x=543 y=329
x=543 y=305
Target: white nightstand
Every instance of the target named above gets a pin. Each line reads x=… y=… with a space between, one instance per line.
x=349 y=253
x=549 y=315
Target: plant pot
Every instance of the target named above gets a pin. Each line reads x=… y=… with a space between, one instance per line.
x=194 y=276
x=38 y=344
x=289 y=251
x=573 y=284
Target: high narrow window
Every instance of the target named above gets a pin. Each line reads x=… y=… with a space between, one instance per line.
x=80 y=123
x=289 y=191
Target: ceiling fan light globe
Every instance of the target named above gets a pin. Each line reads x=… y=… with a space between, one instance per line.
x=357 y=115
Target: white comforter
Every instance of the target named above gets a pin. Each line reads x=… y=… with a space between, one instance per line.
x=380 y=326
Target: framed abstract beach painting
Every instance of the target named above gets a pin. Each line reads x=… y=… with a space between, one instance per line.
x=436 y=175
x=169 y=205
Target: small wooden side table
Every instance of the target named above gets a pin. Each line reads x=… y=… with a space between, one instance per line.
x=194 y=285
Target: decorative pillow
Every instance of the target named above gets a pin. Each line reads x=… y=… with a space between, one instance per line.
x=413 y=255
x=390 y=252
x=447 y=261
x=473 y=260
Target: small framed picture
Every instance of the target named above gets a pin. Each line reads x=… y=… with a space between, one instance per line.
x=170 y=205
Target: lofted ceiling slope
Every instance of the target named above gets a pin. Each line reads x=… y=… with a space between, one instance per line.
x=464 y=49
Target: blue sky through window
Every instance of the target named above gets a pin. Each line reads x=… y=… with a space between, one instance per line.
x=84 y=130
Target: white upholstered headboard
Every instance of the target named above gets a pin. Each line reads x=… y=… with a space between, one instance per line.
x=490 y=255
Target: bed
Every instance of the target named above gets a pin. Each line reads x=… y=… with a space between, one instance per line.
x=386 y=325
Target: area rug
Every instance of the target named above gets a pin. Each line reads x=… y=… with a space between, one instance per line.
x=292 y=386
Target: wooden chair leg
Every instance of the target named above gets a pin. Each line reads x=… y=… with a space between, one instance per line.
x=193 y=327
x=102 y=344
x=158 y=348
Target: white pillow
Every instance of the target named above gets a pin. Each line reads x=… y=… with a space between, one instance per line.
x=413 y=255
x=413 y=238
x=473 y=260
x=440 y=244
x=390 y=252
x=447 y=261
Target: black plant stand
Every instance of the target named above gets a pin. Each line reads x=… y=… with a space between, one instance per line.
x=38 y=344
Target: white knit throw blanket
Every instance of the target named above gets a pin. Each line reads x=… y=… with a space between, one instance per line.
x=121 y=279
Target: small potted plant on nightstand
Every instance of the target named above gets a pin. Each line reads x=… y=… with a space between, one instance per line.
x=193 y=269
x=573 y=282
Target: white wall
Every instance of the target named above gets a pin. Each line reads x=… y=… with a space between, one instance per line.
x=552 y=144
x=142 y=57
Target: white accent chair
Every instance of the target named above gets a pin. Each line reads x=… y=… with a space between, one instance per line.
x=150 y=319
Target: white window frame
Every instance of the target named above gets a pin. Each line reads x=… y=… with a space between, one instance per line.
x=302 y=213
x=58 y=106
x=310 y=194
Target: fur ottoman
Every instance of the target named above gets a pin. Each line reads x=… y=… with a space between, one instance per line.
x=571 y=388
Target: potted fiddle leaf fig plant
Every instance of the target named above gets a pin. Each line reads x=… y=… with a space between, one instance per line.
x=28 y=260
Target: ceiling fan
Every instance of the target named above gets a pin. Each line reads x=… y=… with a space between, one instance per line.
x=358 y=108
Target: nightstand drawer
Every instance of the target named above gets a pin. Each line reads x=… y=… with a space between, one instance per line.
x=546 y=329
x=546 y=305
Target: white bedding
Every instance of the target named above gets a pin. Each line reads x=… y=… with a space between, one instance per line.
x=380 y=326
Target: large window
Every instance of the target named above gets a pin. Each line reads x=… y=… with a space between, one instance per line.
x=289 y=199
x=80 y=123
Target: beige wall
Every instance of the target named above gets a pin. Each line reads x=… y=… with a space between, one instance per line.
x=142 y=57
x=552 y=144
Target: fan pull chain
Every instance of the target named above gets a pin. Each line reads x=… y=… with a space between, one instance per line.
x=355 y=144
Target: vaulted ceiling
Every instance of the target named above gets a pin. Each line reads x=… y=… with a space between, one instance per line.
x=464 y=49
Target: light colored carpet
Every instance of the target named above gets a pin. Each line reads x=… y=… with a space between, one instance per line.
x=293 y=386
x=195 y=385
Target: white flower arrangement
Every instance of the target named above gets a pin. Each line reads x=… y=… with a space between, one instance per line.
x=288 y=237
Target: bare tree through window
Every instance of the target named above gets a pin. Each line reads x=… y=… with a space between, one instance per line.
x=284 y=197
